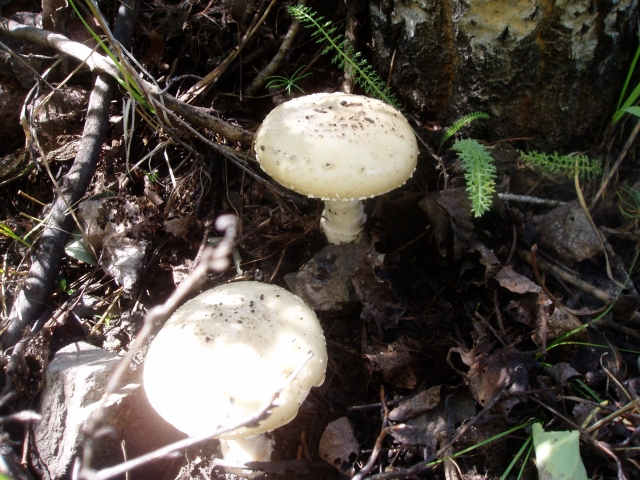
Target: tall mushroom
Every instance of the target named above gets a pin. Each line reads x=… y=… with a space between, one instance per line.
x=340 y=148
x=223 y=355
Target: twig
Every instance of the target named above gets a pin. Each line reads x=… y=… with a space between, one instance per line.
x=618 y=267
x=630 y=332
x=61 y=43
x=419 y=468
x=510 y=197
x=622 y=410
x=350 y=39
x=496 y=308
x=277 y=59
x=201 y=118
x=601 y=295
x=583 y=204
x=513 y=245
x=40 y=281
x=386 y=430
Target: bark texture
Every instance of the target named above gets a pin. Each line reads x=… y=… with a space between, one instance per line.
x=542 y=68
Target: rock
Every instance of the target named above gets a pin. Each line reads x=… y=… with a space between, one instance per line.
x=549 y=70
x=75 y=381
x=324 y=283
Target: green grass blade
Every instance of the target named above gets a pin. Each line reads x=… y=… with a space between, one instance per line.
x=128 y=83
x=633 y=111
x=6 y=230
x=628 y=79
x=517 y=456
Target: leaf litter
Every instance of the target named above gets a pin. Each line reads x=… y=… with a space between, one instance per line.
x=442 y=312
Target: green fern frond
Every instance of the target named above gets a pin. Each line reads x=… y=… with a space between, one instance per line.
x=480 y=174
x=461 y=122
x=554 y=164
x=344 y=56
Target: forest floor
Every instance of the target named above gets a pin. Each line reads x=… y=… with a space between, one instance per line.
x=527 y=314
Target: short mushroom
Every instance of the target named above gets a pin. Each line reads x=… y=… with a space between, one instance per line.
x=340 y=148
x=223 y=355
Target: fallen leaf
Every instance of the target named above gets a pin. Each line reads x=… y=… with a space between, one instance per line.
x=513 y=281
x=420 y=403
x=339 y=446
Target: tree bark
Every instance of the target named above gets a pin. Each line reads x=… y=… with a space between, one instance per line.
x=548 y=69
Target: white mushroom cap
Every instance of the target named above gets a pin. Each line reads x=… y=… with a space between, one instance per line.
x=222 y=355
x=337 y=146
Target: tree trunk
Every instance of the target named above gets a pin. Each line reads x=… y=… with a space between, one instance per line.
x=548 y=69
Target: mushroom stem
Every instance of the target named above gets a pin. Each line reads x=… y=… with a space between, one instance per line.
x=256 y=448
x=342 y=220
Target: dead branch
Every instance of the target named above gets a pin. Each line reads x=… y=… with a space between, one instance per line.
x=40 y=281
x=61 y=43
x=102 y=64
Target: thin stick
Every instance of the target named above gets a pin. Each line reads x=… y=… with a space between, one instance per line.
x=570 y=279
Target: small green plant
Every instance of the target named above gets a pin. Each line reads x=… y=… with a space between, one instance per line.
x=6 y=230
x=344 y=55
x=563 y=164
x=65 y=286
x=461 y=122
x=628 y=105
x=288 y=83
x=480 y=174
x=629 y=202
x=106 y=320
x=152 y=176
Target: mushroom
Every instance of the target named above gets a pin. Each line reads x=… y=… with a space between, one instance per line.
x=222 y=356
x=340 y=148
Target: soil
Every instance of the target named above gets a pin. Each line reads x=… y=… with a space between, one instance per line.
x=478 y=311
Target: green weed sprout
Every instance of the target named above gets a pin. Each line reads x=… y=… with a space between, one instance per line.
x=461 y=122
x=480 y=174
x=344 y=55
x=279 y=81
x=64 y=285
x=152 y=176
x=563 y=164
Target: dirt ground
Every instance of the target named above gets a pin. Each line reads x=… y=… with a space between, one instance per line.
x=526 y=314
